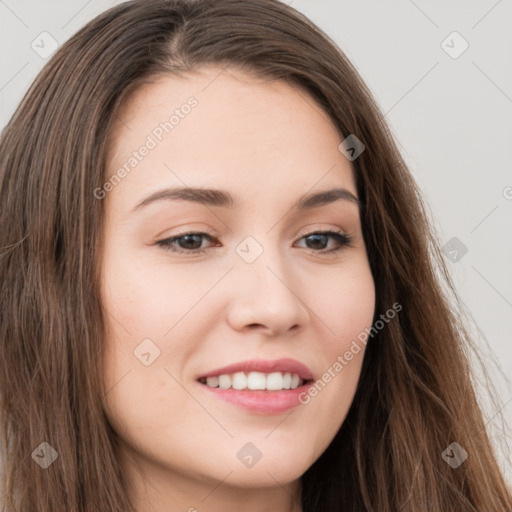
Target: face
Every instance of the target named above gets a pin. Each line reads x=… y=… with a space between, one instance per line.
x=256 y=276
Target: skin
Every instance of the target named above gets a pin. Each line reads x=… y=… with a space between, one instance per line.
x=266 y=143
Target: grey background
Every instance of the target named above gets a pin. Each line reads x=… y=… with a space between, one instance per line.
x=450 y=116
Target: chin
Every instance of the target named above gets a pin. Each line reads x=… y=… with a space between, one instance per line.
x=265 y=475
x=273 y=466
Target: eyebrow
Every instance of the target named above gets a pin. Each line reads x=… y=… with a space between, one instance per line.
x=222 y=198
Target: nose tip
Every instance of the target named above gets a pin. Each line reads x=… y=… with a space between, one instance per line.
x=262 y=299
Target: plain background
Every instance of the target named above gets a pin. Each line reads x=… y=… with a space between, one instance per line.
x=451 y=117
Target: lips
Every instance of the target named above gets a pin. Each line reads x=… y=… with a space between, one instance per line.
x=259 y=386
x=285 y=365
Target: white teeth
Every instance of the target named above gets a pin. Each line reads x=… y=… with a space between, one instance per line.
x=239 y=380
x=256 y=380
x=275 y=381
x=224 y=381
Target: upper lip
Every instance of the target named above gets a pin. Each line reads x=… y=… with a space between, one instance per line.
x=285 y=365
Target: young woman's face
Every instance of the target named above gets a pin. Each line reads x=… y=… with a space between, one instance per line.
x=258 y=285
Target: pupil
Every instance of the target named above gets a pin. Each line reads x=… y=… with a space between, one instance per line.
x=190 y=238
x=316 y=238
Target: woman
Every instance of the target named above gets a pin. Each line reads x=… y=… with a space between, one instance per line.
x=219 y=282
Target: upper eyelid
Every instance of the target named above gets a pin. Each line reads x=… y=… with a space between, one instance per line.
x=301 y=234
x=214 y=233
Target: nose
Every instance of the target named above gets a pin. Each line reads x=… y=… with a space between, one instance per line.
x=266 y=296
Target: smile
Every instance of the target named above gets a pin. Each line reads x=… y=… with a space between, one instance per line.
x=260 y=386
x=275 y=381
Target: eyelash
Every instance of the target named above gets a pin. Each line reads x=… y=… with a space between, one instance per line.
x=169 y=243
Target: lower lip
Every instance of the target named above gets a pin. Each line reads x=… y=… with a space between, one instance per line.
x=261 y=401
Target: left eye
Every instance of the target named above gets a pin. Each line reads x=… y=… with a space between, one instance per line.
x=191 y=243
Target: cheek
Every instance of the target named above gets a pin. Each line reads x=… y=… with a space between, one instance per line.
x=352 y=315
x=144 y=301
x=346 y=308
x=147 y=298
x=345 y=303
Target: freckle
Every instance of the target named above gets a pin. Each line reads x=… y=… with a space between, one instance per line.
x=162 y=383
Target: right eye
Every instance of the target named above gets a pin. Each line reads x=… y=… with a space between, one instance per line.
x=186 y=243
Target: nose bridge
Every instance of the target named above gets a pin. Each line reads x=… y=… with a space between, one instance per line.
x=265 y=290
x=261 y=263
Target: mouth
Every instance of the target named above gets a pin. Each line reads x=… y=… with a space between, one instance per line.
x=266 y=387
x=259 y=374
x=255 y=381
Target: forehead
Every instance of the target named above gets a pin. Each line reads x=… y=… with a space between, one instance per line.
x=225 y=129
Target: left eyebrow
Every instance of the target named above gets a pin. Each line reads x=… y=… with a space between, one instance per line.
x=222 y=198
x=317 y=199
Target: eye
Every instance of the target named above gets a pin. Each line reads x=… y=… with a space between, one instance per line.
x=320 y=239
x=186 y=243
x=191 y=243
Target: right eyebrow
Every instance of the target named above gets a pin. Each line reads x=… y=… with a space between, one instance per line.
x=199 y=195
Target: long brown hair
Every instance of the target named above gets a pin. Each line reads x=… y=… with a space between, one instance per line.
x=415 y=395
